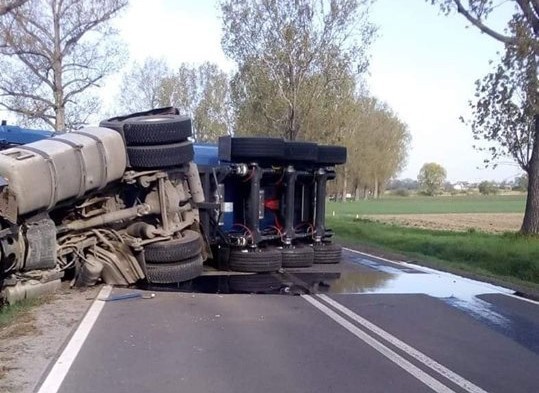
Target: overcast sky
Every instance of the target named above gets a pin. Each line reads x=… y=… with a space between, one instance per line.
x=423 y=65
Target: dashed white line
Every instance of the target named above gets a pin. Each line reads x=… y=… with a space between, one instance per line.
x=422 y=376
x=56 y=376
x=419 y=356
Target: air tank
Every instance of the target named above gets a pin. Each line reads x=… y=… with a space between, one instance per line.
x=43 y=173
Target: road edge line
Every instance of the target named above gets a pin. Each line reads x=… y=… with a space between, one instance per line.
x=397 y=359
x=408 y=349
x=61 y=367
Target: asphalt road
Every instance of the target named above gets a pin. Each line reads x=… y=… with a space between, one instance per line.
x=366 y=325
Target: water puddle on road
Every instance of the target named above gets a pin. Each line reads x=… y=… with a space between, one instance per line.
x=357 y=274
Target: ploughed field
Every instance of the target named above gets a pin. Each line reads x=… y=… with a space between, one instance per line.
x=495 y=214
x=484 y=222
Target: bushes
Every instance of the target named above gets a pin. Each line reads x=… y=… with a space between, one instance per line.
x=402 y=192
x=488 y=188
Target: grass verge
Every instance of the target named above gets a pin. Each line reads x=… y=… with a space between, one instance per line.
x=509 y=257
x=9 y=314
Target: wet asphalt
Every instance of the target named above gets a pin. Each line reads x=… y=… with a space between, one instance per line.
x=279 y=333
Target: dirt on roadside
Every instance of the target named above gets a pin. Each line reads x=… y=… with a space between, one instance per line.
x=36 y=336
x=484 y=222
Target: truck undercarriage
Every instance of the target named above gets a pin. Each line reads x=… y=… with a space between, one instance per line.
x=134 y=201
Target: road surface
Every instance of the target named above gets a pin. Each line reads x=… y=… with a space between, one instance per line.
x=365 y=325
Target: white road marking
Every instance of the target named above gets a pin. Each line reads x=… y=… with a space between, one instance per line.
x=421 y=357
x=60 y=369
x=522 y=298
x=422 y=376
x=399 y=263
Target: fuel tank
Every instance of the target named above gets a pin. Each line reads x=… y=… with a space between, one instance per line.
x=43 y=173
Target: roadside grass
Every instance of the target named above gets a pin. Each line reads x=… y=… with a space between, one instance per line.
x=509 y=257
x=430 y=205
x=18 y=312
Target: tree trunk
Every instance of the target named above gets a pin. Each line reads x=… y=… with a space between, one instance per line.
x=530 y=225
x=365 y=193
x=58 y=88
x=344 y=184
x=376 y=190
x=357 y=192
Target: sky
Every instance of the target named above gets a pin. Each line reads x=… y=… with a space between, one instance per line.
x=423 y=64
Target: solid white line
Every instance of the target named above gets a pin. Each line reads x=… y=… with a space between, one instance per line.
x=63 y=364
x=422 y=376
x=399 y=263
x=522 y=298
x=421 y=357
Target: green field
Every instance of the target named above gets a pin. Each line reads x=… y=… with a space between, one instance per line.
x=432 y=205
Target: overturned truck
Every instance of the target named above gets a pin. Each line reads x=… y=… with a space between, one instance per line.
x=134 y=201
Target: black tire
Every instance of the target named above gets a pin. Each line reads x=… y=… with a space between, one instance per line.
x=154 y=157
x=301 y=151
x=246 y=148
x=157 y=130
x=297 y=256
x=255 y=283
x=174 y=272
x=331 y=155
x=258 y=261
x=189 y=246
x=327 y=253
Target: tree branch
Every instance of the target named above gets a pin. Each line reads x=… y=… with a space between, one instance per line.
x=32 y=114
x=530 y=15
x=481 y=26
x=4 y=9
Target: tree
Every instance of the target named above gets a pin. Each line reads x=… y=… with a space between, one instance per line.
x=55 y=52
x=7 y=6
x=142 y=84
x=377 y=146
x=507 y=108
x=203 y=93
x=431 y=178
x=488 y=188
x=289 y=54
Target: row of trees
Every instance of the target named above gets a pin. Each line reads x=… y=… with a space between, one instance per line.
x=299 y=71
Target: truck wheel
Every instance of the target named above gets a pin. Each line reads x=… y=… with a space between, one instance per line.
x=257 y=261
x=246 y=148
x=159 y=156
x=174 y=272
x=188 y=246
x=157 y=130
x=326 y=253
x=331 y=155
x=301 y=151
x=297 y=256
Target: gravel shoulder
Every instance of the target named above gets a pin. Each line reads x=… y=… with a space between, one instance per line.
x=36 y=336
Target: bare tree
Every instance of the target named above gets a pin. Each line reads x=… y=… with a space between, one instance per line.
x=507 y=109
x=203 y=93
x=142 y=84
x=54 y=53
x=7 y=6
